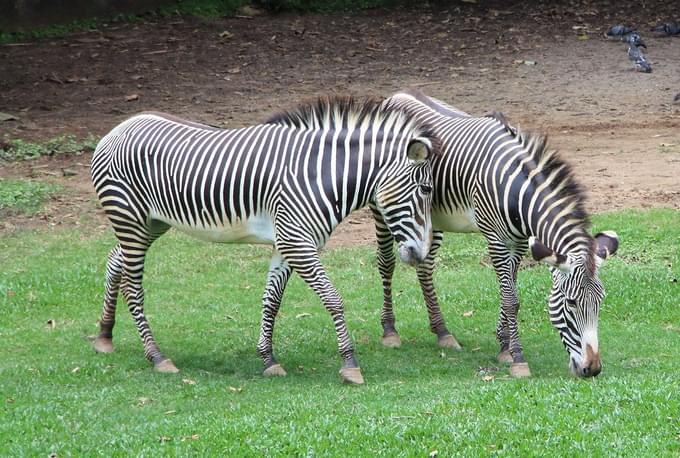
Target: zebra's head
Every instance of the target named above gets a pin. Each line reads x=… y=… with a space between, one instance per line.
x=575 y=298
x=404 y=199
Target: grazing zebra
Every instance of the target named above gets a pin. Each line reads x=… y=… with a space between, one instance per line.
x=266 y=184
x=492 y=179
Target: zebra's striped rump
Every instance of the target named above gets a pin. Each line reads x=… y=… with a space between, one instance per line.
x=278 y=184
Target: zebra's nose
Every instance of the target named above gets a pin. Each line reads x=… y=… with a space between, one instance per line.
x=593 y=367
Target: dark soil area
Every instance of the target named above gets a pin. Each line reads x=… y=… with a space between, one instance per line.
x=546 y=66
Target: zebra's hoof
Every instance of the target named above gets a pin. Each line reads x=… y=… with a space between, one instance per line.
x=448 y=341
x=275 y=370
x=504 y=357
x=166 y=367
x=520 y=370
x=103 y=345
x=391 y=340
x=351 y=375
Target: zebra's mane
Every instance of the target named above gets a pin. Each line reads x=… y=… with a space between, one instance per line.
x=338 y=112
x=548 y=161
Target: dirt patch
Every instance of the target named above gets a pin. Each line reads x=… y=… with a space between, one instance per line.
x=619 y=128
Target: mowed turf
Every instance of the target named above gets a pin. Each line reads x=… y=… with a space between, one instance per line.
x=203 y=302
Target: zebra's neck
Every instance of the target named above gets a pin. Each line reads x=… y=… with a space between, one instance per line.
x=537 y=193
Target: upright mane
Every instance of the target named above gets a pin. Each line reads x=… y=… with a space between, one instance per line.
x=546 y=162
x=339 y=112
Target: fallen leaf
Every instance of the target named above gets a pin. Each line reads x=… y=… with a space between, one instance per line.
x=476 y=349
x=188 y=381
x=141 y=402
x=131 y=97
x=226 y=34
x=468 y=313
x=303 y=315
x=7 y=117
x=488 y=378
x=75 y=369
x=170 y=412
x=163 y=439
x=234 y=70
x=529 y=62
x=235 y=390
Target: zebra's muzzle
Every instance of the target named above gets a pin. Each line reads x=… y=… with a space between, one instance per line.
x=411 y=253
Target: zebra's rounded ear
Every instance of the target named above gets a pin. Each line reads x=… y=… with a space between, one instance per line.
x=606 y=244
x=542 y=253
x=419 y=149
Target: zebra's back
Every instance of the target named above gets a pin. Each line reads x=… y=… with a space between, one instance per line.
x=215 y=184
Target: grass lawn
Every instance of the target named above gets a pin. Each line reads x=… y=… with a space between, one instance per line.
x=203 y=302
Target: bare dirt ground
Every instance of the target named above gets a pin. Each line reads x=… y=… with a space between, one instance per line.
x=619 y=128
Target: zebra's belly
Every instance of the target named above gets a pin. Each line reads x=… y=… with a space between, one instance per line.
x=256 y=229
x=460 y=221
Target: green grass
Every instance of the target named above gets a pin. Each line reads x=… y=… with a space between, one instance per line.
x=58 y=396
x=21 y=150
x=23 y=196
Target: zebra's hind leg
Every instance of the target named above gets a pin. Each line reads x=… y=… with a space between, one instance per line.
x=104 y=341
x=277 y=277
x=386 y=264
x=133 y=270
x=437 y=324
x=304 y=259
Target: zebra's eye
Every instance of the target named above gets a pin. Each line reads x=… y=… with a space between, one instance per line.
x=571 y=303
x=425 y=189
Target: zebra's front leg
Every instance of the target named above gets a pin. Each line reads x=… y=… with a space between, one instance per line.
x=277 y=277
x=386 y=264
x=114 y=267
x=133 y=270
x=305 y=261
x=506 y=264
x=425 y=271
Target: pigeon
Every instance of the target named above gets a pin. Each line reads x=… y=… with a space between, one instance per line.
x=618 y=31
x=634 y=39
x=641 y=64
x=668 y=28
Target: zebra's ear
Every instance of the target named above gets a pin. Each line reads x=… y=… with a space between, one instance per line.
x=419 y=149
x=542 y=253
x=606 y=244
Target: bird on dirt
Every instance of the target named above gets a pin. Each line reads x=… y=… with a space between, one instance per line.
x=667 y=28
x=634 y=39
x=618 y=31
x=638 y=59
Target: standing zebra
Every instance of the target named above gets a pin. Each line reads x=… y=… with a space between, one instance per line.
x=266 y=184
x=508 y=186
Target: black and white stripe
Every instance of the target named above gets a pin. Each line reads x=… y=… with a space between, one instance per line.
x=507 y=185
x=271 y=183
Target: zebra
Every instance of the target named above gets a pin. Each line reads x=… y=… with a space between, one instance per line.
x=265 y=184
x=492 y=178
